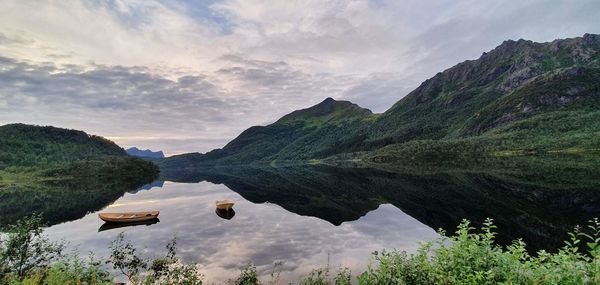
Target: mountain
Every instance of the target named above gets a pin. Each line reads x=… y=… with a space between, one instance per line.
x=28 y=151
x=300 y=135
x=134 y=151
x=522 y=97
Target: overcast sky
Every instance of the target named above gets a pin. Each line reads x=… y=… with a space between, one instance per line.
x=184 y=76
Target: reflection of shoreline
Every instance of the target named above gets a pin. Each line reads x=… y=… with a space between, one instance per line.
x=59 y=201
x=549 y=200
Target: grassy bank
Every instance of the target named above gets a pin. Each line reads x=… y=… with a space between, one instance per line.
x=470 y=256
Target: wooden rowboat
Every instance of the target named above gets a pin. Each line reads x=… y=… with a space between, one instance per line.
x=224 y=204
x=128 y=217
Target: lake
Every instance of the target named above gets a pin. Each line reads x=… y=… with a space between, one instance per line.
x=297 y=218
x=262 y=233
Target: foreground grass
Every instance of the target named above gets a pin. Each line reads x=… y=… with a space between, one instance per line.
x=470 y=256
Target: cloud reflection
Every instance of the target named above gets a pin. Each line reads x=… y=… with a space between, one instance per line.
x=264 y=234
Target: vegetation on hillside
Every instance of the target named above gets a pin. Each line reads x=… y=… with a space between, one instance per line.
x=303 y=134
x=32 y=152
x=470 y=256
x=63 y=174
x=520 y=98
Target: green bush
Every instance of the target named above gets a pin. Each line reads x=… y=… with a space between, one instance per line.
x=125 y=258
x=470 y=257
x=28 y=257
x=248 y=276
x=24 y=248
x=322 y=276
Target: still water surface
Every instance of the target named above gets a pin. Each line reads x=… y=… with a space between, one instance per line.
x=262 y=233
x=311 y=216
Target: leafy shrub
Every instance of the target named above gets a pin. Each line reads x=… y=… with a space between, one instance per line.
x=470 y=257
x=248 y=276
x=322 y=276
x=28 y=257
x=24 y=248
x=125 y=258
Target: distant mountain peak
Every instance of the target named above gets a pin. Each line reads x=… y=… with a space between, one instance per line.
x=505 y=68
x=328 y=100
x=591 y=37
x=134 y=151
x=327 y=109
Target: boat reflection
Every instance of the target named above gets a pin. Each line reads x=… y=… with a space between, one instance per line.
x=225 y=214
x=109 y=226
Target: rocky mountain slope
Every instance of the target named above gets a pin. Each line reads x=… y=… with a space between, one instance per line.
x=521 y=97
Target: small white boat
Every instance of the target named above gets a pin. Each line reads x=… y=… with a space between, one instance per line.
x=224 y=204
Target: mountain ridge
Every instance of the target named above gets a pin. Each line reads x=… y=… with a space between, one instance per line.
x=483 y=104
x=146 y=153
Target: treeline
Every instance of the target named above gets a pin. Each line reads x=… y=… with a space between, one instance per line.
x=28 y=151
x=568 y=132
x=26 y=145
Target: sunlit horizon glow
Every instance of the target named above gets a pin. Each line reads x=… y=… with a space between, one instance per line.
x=188 y=76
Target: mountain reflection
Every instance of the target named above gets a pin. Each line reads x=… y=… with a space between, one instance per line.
x=540 y=206
x=538 y=200
x=58 y=201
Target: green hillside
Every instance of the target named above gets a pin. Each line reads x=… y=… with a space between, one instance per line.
x=520 y=98
x=302 y=134
x=555 y=112
x=28 y=152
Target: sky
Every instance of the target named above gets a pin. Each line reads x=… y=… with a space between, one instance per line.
x=189 y=76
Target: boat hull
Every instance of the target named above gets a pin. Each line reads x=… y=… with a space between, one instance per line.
x=129 y=217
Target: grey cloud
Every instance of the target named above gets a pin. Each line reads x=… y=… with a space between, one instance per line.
x=239 y=59
x=114 y=95
x=104 y=87
x=14 y=39
x=122 y=102
x=57 y=56
x=272 y=61
x=277 y=80
x=379 y=91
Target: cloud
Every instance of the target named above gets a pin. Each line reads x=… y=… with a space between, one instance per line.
x=209 y=69
x=134 y=106
x=131 y=100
